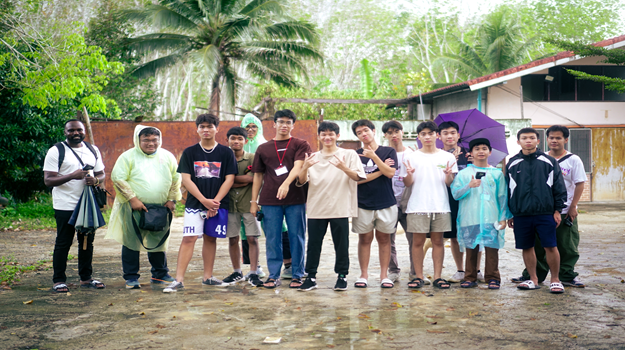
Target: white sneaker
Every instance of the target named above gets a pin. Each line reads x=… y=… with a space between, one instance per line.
x=394 y=276
x=457 y=277
x=480 y=276
x=173 y=287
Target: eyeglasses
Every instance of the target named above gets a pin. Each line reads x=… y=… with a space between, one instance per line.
x=251 y=127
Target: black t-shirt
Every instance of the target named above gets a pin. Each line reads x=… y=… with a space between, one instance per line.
x=208 y=172
x=377 y=194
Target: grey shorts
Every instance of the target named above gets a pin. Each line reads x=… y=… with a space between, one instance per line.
x=383 y=220
x=252 y=226
x=425 y=223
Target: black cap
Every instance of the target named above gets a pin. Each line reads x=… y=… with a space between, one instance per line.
x=480 y=141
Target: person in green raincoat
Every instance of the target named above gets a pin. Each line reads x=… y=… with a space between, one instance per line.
x=254 y=128
x=145 y=174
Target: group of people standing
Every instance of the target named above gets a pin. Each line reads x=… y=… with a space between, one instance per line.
x=285 y=189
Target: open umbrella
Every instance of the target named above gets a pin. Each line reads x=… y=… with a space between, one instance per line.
x=475 y=124
x=87 y=217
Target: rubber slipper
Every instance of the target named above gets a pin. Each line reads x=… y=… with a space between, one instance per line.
x=95 y=284
x=295 y=283
x=271 y=280
x=361 y=283
x=494 y=284
x=415 y=283
x=468 y=284
x=528 y=285
x=553 y=288
x=385 y=282
x=439 y=283
x=59 y=286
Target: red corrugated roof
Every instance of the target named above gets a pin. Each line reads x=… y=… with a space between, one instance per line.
x=559 y=56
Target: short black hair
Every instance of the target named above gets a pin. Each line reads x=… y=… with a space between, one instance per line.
x=362 y=122
x=328 y=126
x=479 y=142
x=527 y=131
x=393 y=124
x=427 y=125
x=207 y=118
x=238 y=131
x=285 y=113
x=447 y=125
x=72 y=120
x=561 y=128
x=149 y=131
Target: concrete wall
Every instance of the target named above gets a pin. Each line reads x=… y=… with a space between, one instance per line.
x=454 y=102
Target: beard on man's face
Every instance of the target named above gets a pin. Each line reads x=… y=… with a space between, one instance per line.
x=76 y=138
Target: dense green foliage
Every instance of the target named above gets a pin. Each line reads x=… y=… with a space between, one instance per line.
x=37 y=213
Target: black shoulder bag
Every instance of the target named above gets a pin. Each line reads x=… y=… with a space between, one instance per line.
x=155 y=219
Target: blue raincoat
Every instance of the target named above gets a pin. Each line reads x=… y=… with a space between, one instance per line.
x=481 y=208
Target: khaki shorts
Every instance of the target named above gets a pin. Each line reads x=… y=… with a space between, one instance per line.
x=425 y=223
x=383 y=220
x=252 y=226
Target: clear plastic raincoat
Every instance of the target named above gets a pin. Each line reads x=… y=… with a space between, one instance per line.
x=253 y=143
x=153 y=179
x=481 y=208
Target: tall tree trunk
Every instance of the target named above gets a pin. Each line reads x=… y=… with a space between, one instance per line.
x=215 y=97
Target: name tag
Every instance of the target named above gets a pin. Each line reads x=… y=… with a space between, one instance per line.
x=399 y=183
x=281 y=170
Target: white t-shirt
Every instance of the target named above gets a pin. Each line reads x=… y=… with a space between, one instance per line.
x=573 y=172
x=66 y=196
x=429 y=191
x=398 y=182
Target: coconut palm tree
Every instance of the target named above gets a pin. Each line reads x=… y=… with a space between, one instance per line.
x=499 y=44
x=223 y=38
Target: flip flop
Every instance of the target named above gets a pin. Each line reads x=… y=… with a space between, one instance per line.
x=95 y=284
x=361 y=283
x=387 y=281
x=415 y=283
x=439 y=282
x=528 y=285
x=556 y=285
x=59 y=286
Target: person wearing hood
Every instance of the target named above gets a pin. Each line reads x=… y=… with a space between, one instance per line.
x=254 y=128
x=145 y=174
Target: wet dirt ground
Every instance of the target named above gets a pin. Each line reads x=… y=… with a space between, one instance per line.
x=241 y=317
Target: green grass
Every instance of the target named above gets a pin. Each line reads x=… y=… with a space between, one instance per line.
x=10 y=270
x=36 y=214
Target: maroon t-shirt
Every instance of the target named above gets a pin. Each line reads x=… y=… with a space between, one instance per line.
x=267 y=160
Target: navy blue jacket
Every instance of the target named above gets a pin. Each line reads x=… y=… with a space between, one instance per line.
x=535 y=185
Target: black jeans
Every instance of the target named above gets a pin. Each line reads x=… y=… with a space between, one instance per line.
x=130 y=264
x=340 y=236
x=64 y=238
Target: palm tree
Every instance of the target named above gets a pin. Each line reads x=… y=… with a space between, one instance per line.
x=499 y=45
x=224 y=37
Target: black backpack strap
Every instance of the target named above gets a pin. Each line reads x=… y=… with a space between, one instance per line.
x=565 y=158
x=138 y=232
x=61 y=149
x=90 y=147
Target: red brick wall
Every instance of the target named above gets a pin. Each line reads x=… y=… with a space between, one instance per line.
x=586 y=195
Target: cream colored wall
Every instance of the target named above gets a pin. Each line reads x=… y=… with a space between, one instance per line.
x=503 y=105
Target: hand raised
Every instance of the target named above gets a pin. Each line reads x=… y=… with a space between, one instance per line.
x=474 y=182
x=310 y=160
x=449 y=169
x=338 y=162
x=368 y=152
x=409 y=169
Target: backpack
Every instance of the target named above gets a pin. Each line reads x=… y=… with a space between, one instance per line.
x=61 y=149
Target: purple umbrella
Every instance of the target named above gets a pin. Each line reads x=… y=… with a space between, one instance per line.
x=475 y=124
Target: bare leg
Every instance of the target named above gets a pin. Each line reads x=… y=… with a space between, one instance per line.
x=235 y=252
x=384 y=247
x=457 y=254
x=529 y=258
x=438 y=253
x=364 y=253
x=184 y=256
x=553 y=260
x=418 y=240
x=209 y=248
x=253 y=243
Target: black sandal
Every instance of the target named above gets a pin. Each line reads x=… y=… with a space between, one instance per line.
x=468 y=284
x=271 y=280
x=439 y=282
x=95 y=284
x=493 y=284
x=415 y=283
x=295 y=283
